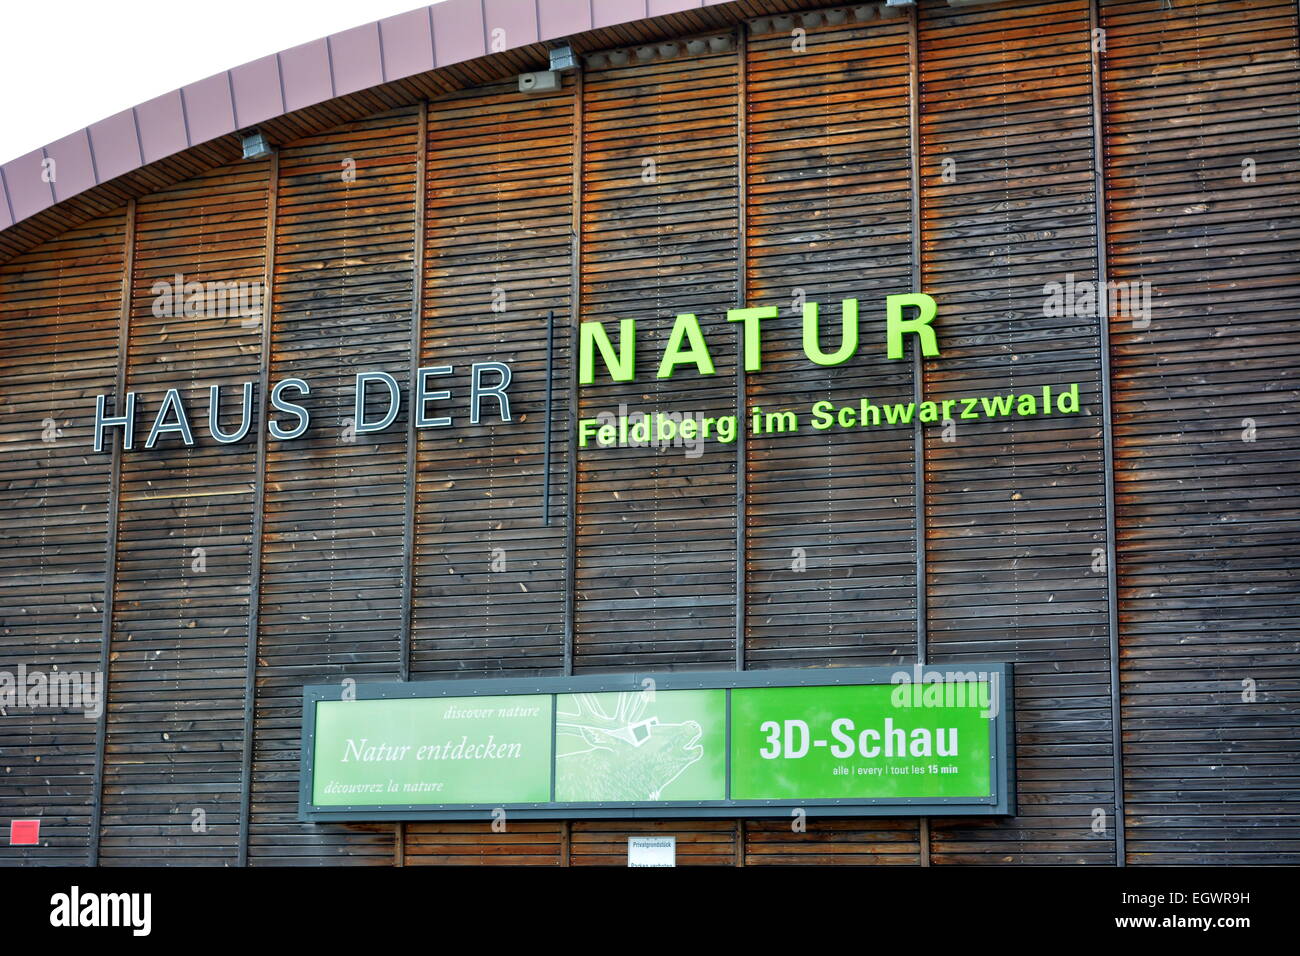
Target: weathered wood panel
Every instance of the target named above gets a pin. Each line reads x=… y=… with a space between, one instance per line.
x=1203 y=191
x=656 y=525
x=490 y=577
x=860 y=842
x=175 y=729
x=331 y=603
x=1014 y=506
x=471 y=843
x=831 y=526
x=59 y=309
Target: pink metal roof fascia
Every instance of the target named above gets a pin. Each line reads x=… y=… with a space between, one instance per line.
x=381 y=52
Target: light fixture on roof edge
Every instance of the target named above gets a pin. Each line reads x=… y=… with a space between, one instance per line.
x=255 y=144
x=562 y=59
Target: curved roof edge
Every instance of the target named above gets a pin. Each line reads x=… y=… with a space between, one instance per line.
x=366 y=56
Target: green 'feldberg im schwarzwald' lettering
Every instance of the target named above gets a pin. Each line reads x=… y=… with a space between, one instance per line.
x=687 y=345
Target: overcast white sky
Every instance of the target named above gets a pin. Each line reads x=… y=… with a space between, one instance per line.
x=69 y=63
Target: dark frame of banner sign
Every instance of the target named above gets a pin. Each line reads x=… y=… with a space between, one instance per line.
x=1000 y=801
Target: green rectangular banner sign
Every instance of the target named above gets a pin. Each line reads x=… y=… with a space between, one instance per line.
x=843 y=741
x=801 y=743
x=433 y=750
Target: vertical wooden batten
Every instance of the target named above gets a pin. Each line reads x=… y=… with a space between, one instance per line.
x=918 y=361
x=110 y=551
x=412 y=436
x=571 y=457
x=742 y=299
x=417 y=350
x=1107 y=424
x=260 y=418
x=549 y=405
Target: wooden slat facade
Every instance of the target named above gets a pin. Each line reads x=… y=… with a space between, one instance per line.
x=656 y=528
x=490 y=578
x=1203 y=190
x=59 y=314
x=831 y=523
x=331 y=588
x=172 y=776
x=1014 y=507
x=1135 y=561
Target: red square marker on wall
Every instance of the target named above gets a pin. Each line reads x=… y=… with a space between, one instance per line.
x=24 y=832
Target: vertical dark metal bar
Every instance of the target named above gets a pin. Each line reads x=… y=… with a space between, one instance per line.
x=742 y=297
x=1107 y=426
x=918 y=364
x=546 y=425
x=260 y=414
x=412 y=435
x=575 y=311
x=110 y=547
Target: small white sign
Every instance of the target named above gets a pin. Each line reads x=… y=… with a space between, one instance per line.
x=652 y=851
